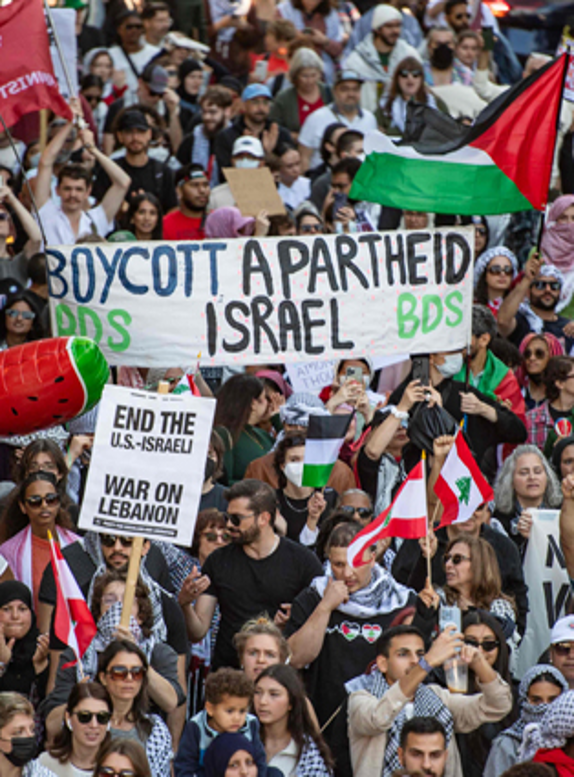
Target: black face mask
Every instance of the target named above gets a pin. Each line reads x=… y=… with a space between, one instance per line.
x=442 y=57
x=210 y=469
x=24 y=749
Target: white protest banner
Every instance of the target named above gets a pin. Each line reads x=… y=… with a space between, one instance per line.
x=147 y=466
x=548 y=582
x=65 y=23
x=267 y=300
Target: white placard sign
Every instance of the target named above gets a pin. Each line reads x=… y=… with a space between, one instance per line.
x=267 y=300
x=65 y=23
x=147 y=466
x=311 y=377
x=549 y=588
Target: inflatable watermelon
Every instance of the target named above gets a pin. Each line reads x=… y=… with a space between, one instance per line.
x=49 y=382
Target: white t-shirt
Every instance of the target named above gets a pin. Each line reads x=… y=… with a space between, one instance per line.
x=59 y=231
x=140 y=60
x=295 y=194
x=63 y=770
x=314 y=126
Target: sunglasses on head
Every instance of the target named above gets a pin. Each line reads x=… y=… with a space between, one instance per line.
x=108 y=541
x=235 y=519
x=487 y=645
x=85 y=717
x=415 y=73
x=213 y=536
x=27 y=315
x=108 y=771
x=455 y=558
x=496 y=269
x=563 y=648
x=541 y=285
x=536 y=353
x=363 y=512
x=122 y=672
x=37 y=501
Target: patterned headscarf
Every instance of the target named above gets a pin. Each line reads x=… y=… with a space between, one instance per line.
x=555 y=728
x=486 y=257
x=532 y=713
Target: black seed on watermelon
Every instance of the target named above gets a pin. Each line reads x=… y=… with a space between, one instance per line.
x=61 y=401
x=33 y=399
x=59 y=379
x=57 y=416
x=14 y=411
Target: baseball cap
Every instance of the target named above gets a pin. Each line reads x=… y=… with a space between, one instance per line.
x=156 y=77
x=562 y=630
x=132 y=120
x=246 y=144
x=256 y=90
x=347 y=75
x=384 y=14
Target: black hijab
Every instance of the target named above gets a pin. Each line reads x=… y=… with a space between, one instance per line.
x=20 y=675
x=189 y=101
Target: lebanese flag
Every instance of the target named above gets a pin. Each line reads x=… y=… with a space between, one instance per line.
x=405 y=517
x=73 y=622
x=501 y=164
x=460 y=487
x=186 y=385
x=27 y=80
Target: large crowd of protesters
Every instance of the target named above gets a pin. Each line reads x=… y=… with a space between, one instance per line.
x=259 y=650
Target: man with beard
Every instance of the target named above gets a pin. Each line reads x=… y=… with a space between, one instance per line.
x=254 y=120
x=198 y=146
x=423 y=747
x=258 y=572
x=147 y=175
x=542 y=285
x=193 y=191
x=376 y=57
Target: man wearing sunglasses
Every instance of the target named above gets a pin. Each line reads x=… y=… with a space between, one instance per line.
x=258 y=572
x=541 y=284
x=561 y=651
x=133 y=52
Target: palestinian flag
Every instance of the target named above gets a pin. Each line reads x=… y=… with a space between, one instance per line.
x=405 y=517
x=460 y=487
x=502 y=164
x=325 y=436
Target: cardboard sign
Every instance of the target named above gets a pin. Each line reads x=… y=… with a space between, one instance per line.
x=267 y=300
x=254 y=190
x=147 y=467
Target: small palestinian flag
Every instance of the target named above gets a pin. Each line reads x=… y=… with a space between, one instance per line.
x=460 y=487
x=501 y=164
x=325 y=436
x=405 y=517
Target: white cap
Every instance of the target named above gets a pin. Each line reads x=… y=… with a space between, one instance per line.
x=562 y=631
x=246 y=144
x=383 y=14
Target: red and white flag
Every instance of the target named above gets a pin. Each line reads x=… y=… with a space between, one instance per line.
x=460 y=487
x=73 y=621
x=406 y=517
x=27 y=80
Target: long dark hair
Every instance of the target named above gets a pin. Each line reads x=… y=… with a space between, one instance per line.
x=410 y=63
x=300 y=724
x=62 y=746
x=296 y=440
x=234 y=403
x=14 y=520
x=135 y=203
x=501 y=666
x=324 y=7
x=137 y=714
x=43 y=445
x=37 y=330
x=481 y=293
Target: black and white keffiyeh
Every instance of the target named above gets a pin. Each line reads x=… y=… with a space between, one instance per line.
x=159 y=747
x=310 y=763
x=382 y=595
x=555 y=728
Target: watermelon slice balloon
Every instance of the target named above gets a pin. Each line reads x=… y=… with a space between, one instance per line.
x=48 y=382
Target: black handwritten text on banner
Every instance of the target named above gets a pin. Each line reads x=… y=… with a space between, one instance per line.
x=267 y=299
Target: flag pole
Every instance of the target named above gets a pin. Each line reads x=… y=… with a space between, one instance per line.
x=566 y=56
x=427 y=534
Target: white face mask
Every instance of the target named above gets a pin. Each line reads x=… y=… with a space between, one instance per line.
x=451 y=366
x=247 y=163
x=294 y=472
x=159 y=152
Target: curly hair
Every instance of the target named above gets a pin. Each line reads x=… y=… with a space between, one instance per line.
x=142 y=596
x=261 y=626
x=62 y=746
x=228 y=682
x=505 y=496
x=295 y=440
x=486 y=577
x=558 y=369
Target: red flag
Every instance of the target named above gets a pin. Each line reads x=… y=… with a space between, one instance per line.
x=27 y=80
x=73 y=622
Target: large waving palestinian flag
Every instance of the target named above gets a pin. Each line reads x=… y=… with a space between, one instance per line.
x=502 y=164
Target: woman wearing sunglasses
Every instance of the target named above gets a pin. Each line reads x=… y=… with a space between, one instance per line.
x=23 y=650
x=493 y=273
x=20 y=320
x=124 y=758
x=536 y=350
x=75 y=749
x=303 y=507
x=123 y=671
x=541 y=420
x=407 y=85
x=24 y=529
x=481 y=630
x=539 y=687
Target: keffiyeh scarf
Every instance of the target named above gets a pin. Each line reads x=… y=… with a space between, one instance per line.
x=554 y=729
x=382 y=595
